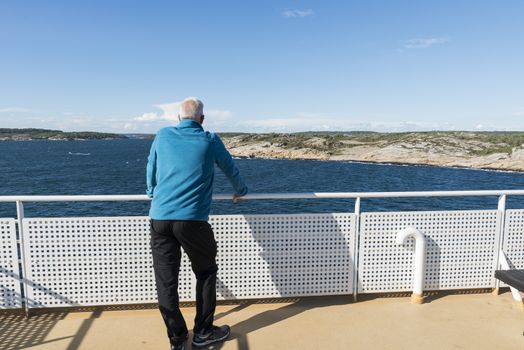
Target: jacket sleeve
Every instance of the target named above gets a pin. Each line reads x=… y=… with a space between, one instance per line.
x=151 y=171
x=226 y=163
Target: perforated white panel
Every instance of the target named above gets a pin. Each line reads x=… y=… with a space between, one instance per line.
x=461 y=250
x=92 y=261
x=10 y=296
x=513 y=245
x=95 y=261
x=284 y=255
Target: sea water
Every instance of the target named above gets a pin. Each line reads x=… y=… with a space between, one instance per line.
x=118 y=167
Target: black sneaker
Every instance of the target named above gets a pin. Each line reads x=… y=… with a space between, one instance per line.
x=216 y=335
x=180 y=346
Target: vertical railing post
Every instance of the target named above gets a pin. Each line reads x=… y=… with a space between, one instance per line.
x=500 y=231
x=20 y=222
x=419 y=268
x=355 y=249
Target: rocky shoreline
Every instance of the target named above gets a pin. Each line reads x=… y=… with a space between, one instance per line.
x=464 y=150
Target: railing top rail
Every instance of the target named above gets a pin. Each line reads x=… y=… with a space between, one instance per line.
x=259 y=196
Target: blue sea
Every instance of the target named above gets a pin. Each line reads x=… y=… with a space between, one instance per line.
x=118 y=167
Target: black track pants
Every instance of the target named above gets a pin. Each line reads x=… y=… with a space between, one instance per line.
x=198 y=241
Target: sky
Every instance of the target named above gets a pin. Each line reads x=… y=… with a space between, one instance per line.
x=263 y=66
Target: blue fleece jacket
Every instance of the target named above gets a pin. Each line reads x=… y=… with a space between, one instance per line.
x=180 y=172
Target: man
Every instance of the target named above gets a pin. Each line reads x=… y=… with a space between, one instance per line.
x=180 y=173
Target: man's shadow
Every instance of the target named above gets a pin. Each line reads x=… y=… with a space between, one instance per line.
x=283 y=256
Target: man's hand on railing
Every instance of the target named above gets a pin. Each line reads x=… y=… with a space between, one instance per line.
x=237 y=198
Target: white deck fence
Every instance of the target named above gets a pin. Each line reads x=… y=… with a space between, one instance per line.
x=86 y=261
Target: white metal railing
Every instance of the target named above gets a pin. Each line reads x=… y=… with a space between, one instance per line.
x=304 y=195
x=496 y=217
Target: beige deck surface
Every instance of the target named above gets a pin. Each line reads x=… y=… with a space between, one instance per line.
x=473 y=321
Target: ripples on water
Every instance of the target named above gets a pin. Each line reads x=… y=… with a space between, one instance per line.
x=118 y=167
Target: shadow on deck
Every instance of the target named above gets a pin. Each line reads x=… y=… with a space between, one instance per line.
x=472 y=321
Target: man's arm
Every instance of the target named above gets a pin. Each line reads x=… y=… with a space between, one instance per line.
x=151 y=170
x=226 y=163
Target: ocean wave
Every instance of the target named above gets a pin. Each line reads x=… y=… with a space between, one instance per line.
x=79 y=154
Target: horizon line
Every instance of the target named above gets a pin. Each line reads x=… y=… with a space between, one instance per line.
x=283 y=132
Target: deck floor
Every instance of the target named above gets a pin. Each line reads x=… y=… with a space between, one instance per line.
x=472 y=321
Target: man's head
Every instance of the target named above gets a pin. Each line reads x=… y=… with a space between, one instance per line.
x=192 y=108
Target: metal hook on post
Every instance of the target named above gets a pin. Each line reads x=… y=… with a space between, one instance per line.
x=420 y=261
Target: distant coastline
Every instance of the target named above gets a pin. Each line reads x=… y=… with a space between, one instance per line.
x=464 y=149
x=30 y=134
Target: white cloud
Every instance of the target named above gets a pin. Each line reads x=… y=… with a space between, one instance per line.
x=297 y=13
x=224 y=121
x=147 y=117
x=73 y=123
x=170 y=110
x=279 y=124
x=130 y=126
x=313 y=122
x=491 y=127
x=17 y=110
x=424 y=43
x=170 y=113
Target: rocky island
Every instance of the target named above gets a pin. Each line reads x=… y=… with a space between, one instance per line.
x=53 y=135
x=486 y=150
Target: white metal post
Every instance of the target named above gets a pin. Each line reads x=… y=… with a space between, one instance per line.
x=502 y=212
x=20 y=222
x=355 y=249
x=419 y=269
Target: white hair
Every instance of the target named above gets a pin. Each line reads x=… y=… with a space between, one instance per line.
x=191 y=108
